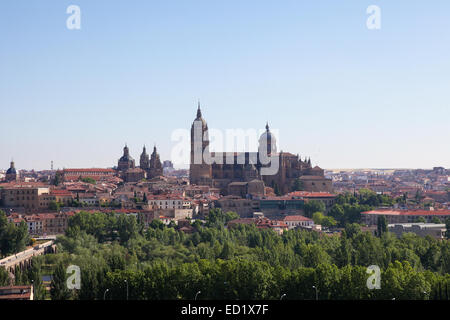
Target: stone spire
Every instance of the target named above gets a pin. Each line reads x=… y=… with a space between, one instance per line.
x=199 y=112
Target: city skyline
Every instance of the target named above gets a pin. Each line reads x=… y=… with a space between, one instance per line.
x=346 y=96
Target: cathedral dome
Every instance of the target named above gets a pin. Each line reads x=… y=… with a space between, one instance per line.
x=12 y=169
x=126 y=157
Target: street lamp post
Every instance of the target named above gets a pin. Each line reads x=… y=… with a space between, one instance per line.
x=127 y=288
x=317 y=294
x=197 y=294
x=282 y=296
x=104 y=294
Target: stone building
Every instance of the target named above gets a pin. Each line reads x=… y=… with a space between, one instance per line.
x=144 y=162
x=156 y=168
x=151 y=165
x=133 y=175
x=93 y=173
x=24 y=195
x=434 y=230
x=247 y=166
x=251 y=188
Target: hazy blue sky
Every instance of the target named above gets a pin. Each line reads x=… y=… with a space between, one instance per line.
x=336 y=91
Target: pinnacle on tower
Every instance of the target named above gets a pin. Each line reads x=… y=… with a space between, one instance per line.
x=199 y=112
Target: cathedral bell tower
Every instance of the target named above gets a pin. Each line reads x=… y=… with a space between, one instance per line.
x=267 y=143
x=200 y=172
x=155 y=168
x=144 y=162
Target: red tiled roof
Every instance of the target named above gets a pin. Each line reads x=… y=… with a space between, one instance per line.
x=296 y=218
x=243 y=221
x=306 y=194
x=393 y=212
x=60 y=192
x=167 y=197
x=24 y=185
x=90 y=170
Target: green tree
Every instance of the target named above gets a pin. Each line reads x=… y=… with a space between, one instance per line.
x=127 y=227
x=88 y=180
x=13 y=238
x=382 y=225
x=421 y=219
x=58 y=286
x=318 y=217
x=35 y=277
x=436 y=220
x=4 y=277
x=54 y=206
x=58 y=179
x=313 y=206
x=227 y=251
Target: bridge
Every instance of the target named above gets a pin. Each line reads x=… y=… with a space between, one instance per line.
x=23 y=259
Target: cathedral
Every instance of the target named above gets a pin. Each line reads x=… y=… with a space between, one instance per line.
x=152 y=166
x=293 y=172
x=149 y=166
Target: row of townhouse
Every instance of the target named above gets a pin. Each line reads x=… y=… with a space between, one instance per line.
x=403 y=216
x=169 y=201
x=44 y=223
x=290 y=204
x=279 y=226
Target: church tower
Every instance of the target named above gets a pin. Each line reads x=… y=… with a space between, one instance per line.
x=155 y=167
x=200 y=172
x=144 y=162
x=267 y=142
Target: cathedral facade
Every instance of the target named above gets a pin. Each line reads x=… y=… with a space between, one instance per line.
x=292 y=173
x=149 y=166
